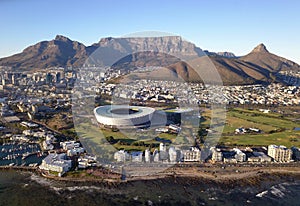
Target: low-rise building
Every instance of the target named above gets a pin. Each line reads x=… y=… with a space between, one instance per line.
x=121 y=156
x=174 y=128
x=137 y=156
x=230 y=160
x=69 y=145
x=75 y=151
x=56 y=163
x=86 y=161
x=192 y=155
x=239 y=155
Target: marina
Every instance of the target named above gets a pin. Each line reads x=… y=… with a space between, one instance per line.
x=16 y=154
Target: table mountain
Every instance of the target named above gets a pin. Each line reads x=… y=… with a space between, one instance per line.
x=256 y=67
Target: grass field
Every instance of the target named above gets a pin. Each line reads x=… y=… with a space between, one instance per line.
x=276 y=129
x=286 y=138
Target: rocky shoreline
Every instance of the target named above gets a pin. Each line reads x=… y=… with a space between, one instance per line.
x=213 y=175
x=179 y=186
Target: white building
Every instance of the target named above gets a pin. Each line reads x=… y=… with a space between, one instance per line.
x=173 y=157
x=27 y=132
x=47 y=145
x=174 y=128
x=156 y=156
x=86 y=161
x=69 y=145
x=162 y=147
x=280 y=153
x=137 y=156
x=230 y=160
x=57 y=163
x=259 y=157
x=121 y=156
x=239 y=155
x=217 y=155
x=147 y=156
x=192 y=155
x=75 y=151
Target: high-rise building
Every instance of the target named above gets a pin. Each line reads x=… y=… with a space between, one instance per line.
x=162 y=147
x=156 y=156
x=3 y=82
x=173 y=154
x=280 y=153
x=48 y=78
x=14 y=79
x=217 y=155
x=147 y=155
x=57 y=77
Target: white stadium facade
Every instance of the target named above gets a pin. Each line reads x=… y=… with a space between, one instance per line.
x=123 y=116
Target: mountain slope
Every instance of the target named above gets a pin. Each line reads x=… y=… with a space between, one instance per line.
x=168 y=51
x=109 y=50
x=58 y=52
x=256 y=67
x=261 y=57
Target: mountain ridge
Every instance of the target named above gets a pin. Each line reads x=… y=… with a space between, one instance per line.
x=256 y=66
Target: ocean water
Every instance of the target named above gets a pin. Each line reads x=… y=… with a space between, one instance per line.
x=25 y=188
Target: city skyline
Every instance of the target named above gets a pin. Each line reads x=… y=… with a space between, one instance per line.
x=217 y=26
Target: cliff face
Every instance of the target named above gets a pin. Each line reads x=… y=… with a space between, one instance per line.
x=174 y=45
x=143 y=51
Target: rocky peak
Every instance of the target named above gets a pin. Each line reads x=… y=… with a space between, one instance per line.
x=260 y=48
x=61 y=38
x=226 y=54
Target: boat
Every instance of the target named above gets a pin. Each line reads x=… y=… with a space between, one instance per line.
x=25 y=155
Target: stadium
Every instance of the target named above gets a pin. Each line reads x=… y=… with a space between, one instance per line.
x=123 y=116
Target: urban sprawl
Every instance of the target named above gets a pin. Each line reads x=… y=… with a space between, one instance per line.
x=29 y=97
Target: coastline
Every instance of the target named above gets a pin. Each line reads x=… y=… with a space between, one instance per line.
x=179 y=187
x=213 y=173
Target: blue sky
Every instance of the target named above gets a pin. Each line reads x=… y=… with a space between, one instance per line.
x=232 y=25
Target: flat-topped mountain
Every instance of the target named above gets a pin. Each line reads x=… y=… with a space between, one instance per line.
x=167 y=51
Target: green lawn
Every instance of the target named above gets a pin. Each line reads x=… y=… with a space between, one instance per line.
x=264 y=119
x=233 y=122
x=287 y=138
x=276 y=129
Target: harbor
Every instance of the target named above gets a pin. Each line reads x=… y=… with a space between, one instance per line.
x=16 y=154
